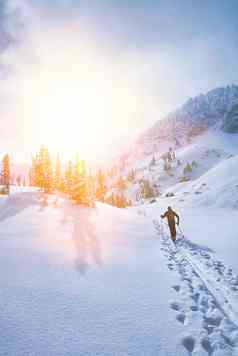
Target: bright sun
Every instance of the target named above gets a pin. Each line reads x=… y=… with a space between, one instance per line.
x=75 y=99
x=81 y=118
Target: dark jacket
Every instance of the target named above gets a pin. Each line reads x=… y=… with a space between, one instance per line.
x=170 y=215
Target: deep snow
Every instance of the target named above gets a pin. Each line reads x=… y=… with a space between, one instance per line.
x=78 y=281
x=105 y=281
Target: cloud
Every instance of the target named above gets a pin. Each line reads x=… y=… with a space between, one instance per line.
x=10 y=23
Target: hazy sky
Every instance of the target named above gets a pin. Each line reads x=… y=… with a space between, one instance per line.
x=128 y=63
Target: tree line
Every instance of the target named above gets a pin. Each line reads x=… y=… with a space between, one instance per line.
x=73 y=178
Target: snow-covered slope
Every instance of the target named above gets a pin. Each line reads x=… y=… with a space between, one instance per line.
x=218 y=187
x=211 y=149
x=106 y=281
x=80 y=281
x=199 y=133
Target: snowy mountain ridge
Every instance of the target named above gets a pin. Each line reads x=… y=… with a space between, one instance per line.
x=190 y=120
x=215 y=109
x=202 y=111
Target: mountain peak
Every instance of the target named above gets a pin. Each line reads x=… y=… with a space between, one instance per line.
x=204 y=110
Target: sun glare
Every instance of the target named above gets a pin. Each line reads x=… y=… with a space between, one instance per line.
x=76 y=99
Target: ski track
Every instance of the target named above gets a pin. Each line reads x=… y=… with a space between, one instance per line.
x=207 y=293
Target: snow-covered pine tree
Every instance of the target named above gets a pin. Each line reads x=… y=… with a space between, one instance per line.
x=41 y=174
x=80 y=191
x=91 y=184
x=69 y=177
x=76 y=170
x=40 y=177
x=19 y=180
x=33 y=172
x=57 y=178
x=187 y=169
x=6 y=172
x=121 y=201
x=83 y=171
x=131 y=175
x=147 y=189
x=153 y=161
x=121 y=184
x=46 y=173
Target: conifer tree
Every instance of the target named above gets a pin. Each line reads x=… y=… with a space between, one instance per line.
x=31 y=176
x=91 y=184
x=187 y=169
x=131 y=175
x=33 y=172
x=45 y=170
x=57 y=180
x=147 y=190
x=41 y=171
x=121 y=201
x=6 y=171
x=83 y=168
x=121 y=184
x=40 y=168
x=76 y=170
x=69 y=177
x=153 y=161
x=19 y=180
x=80 y=190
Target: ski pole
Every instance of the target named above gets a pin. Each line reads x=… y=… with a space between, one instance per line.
x=181 y=232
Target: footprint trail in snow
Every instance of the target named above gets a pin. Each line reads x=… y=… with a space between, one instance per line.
x=207 y=295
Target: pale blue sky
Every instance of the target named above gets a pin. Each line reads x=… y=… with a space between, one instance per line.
x=196 y=40
x=169 y=49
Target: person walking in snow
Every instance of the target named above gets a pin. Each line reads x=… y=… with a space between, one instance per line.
x=170 y=215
